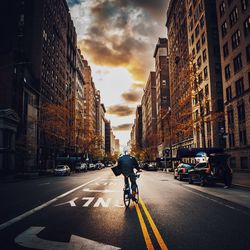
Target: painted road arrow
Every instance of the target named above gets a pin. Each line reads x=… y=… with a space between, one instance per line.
x=29 y=239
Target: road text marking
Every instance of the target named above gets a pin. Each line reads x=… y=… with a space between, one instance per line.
x=32 y=211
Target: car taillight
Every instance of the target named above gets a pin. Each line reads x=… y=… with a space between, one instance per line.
x=184 y=170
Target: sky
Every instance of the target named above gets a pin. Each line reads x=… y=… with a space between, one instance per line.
x=118 y=38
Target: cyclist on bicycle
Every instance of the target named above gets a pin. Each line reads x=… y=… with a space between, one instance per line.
x=127 y=163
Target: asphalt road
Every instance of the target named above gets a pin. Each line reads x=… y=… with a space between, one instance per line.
x=86 y=211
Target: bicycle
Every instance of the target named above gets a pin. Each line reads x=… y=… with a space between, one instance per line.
x=127 y=195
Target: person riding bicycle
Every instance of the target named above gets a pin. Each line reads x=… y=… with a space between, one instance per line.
x=127 y=163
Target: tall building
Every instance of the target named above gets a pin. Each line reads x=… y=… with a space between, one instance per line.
x=71 y=84
x=162 y=91
x=100 y=123
x=117 y=147
x=180 y=118
x=149 y=119
x=138 y=127
x=234 y=36
x=107 y=137
x=37 y=34
x=90 y=103
x=207 y=94
x=79 y=101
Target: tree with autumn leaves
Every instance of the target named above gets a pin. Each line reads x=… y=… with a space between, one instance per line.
x=194 y=113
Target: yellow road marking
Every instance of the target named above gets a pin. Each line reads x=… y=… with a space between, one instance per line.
x=154 y=228
x=144 y=228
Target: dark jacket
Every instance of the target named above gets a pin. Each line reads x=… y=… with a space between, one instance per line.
x=127 y=163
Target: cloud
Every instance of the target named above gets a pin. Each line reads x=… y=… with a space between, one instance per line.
x=123 y=33
x=138 y=85
x=120 y=110
x=131 y=95
x=122 y=127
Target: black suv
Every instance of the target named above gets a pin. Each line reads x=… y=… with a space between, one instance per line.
x=216 y=170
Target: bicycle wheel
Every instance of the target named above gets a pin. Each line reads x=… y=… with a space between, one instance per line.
x=137 y=195
x=126 y=198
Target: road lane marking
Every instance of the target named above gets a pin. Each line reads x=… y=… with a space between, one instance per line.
x=153 y=226
x=47 y=183
x=100 y=191
x=29 y=239
x=144 y=228
x=32 y=211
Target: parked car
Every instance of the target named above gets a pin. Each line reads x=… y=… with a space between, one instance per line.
x=80 y=167
x=91 y=166
x=182 y=171
x=215 y=170
x=99 y=165
x=62 y=170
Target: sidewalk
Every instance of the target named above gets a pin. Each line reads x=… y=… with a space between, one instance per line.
x=241 y=179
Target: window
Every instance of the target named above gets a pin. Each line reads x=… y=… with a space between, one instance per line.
x=242 y=135
x=207 y=108
x=204 y=54
x=199 y=62
x=239 y=87
x=230 y=117
x=243 y=163
x=248 y=53
x=206 y=90
x=225 y=50
x=224 y=28
x=247 y=26
x=236 y=39
x=229 y=93
x=200 y=78
x=232 y=162
x=227 y=72
x=193 y=52
x=201 y=96
x=202 y=22
x=203 y=38
x=231 y=139
x=205 y=73
x=237 y=63
x=192 y=38
x=209 y=127
x=198 y=46
x=244 y=4
x=197 y=30
x=222 y=8
x=241 y=112
x=233 y=16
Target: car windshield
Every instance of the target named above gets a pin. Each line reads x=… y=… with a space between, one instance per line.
x=186 y=166
x=60 y=167
x=201 y=165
